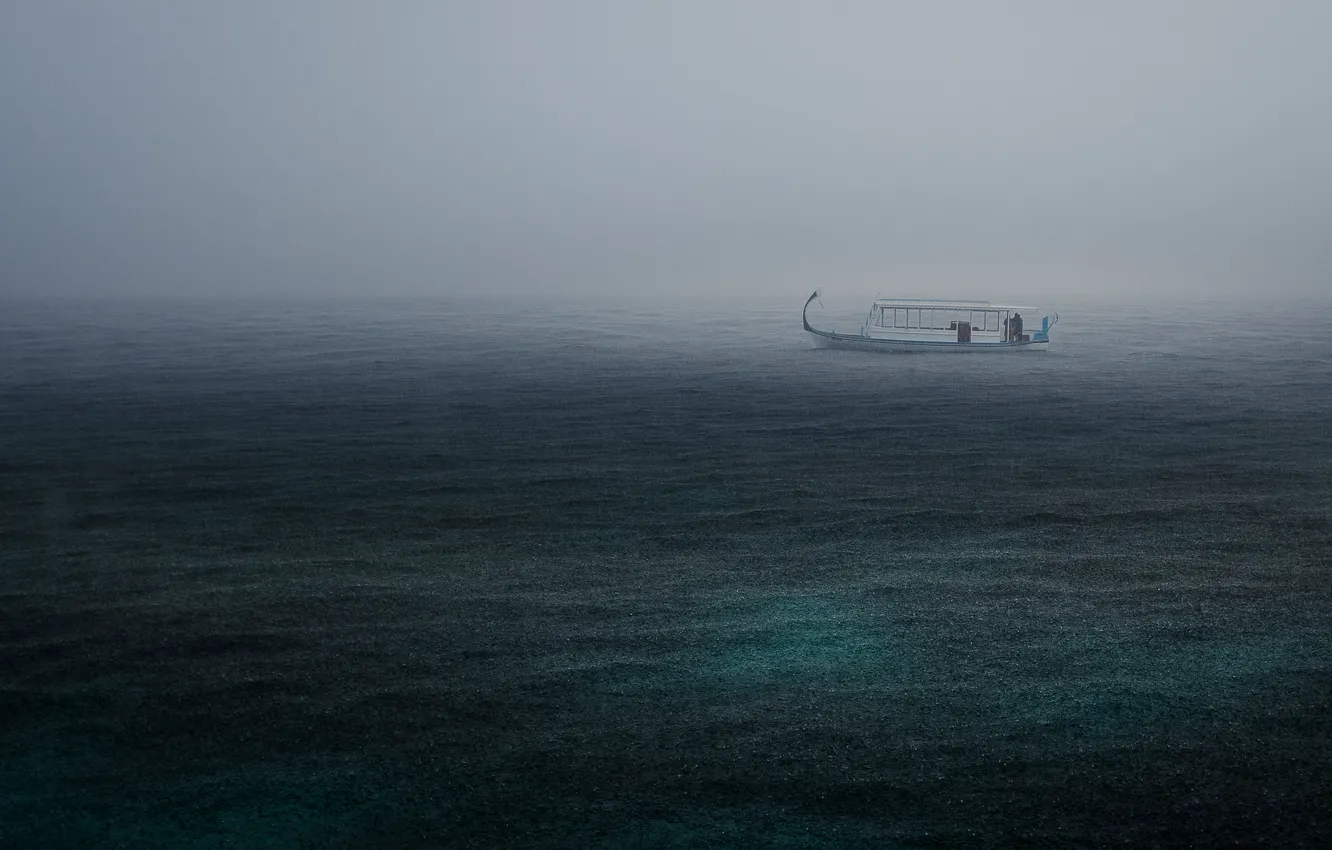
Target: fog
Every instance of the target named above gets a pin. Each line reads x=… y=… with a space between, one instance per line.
x=1018 y=150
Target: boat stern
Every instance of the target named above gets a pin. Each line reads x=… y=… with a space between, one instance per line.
x=1043 y=335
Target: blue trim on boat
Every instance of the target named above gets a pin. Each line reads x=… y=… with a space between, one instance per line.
x=922 y=343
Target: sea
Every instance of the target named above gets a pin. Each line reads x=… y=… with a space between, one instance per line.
x=636 y=573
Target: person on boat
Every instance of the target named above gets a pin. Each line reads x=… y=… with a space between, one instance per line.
x=1015 y=327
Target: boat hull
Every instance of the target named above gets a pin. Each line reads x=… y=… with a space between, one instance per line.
x=848 y=342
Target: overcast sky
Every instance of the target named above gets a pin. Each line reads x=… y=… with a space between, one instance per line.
x=987 y=149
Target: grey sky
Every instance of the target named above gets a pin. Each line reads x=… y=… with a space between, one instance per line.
x=983 y=149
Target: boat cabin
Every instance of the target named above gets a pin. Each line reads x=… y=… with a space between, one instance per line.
x=945 y=321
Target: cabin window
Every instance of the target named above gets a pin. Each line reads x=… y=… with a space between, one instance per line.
x=913 y=317
x=899 y=318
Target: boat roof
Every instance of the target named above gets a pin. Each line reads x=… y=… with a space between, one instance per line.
x=946 y=303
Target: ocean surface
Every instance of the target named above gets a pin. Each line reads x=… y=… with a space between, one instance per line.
x=653 y=574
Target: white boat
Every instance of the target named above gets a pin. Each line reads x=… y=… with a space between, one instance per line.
x=913 y=324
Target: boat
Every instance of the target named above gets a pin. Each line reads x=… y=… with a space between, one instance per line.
x=902 y=325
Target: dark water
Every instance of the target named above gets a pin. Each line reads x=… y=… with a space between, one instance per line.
x=658 y=575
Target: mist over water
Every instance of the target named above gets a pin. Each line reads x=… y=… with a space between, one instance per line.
x=599 y=148
x=538 y=570
x=658 y=573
